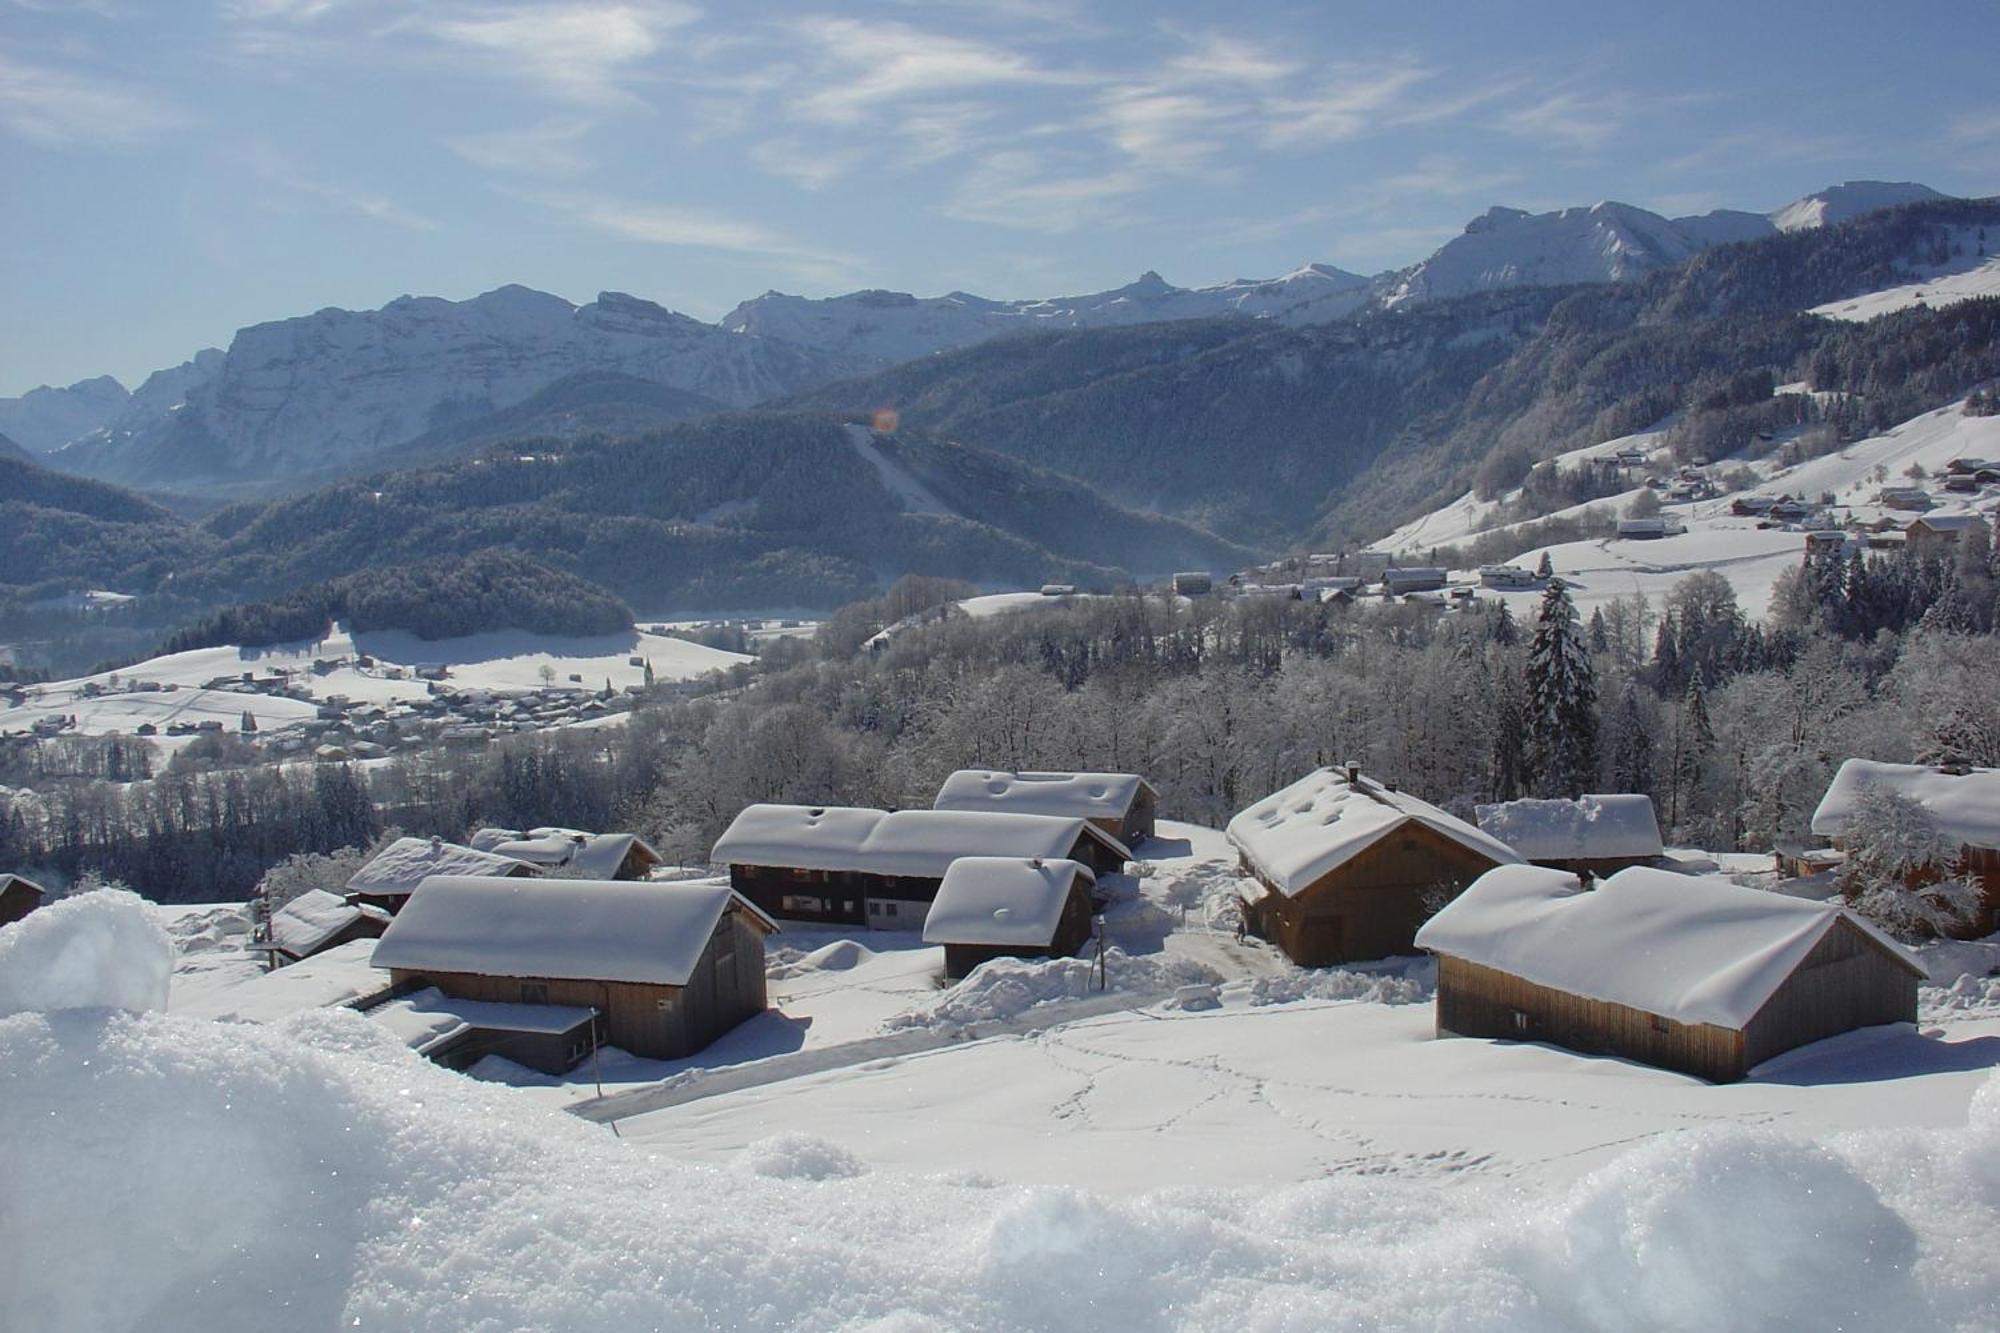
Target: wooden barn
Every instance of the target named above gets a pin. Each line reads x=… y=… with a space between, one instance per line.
x=859 y=867
x=1965 y=802
x=1592 y=835
x=1937 y=534
x=668 y=967
x=1009 y=907
x=317 y=921
x=1343 y=868
x=1122 y=804
x=1691 y=974
x=393 y=874
x=19 y=896
x=579 y=855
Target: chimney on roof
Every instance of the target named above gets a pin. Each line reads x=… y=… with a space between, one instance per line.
x=437 y=843
x=1036 y=862
x=1353 y=774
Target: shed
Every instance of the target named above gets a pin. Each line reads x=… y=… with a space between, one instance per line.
x=1009 y=907
x=1965 y=802
x=1346 y=868
x=1413 y=578
x=1593 y=835
x=1122 y=804
x=578 y=854
x=393 y=874
x=669 y=967
x=318 y=920
x=856 y=866
x=1938 y=534
x=458 y=1034
x=1691 y=974
x=19 y=896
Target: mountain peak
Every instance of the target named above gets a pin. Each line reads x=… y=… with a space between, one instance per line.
x=1849 y=199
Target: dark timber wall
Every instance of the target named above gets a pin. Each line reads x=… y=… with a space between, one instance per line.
x=1372 y=906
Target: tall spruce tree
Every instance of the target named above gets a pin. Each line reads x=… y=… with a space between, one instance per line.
x=1562 y=699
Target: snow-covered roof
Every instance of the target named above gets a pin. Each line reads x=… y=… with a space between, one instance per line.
x=1588 y=828
x=918 y=843
x=1002 y=900
x=1319 y=823
x=486 y=839
x=9 y=881
x=429 y=1018
x=1691 y=948
x=546 y=851
x=578 y=929
x=313 y=918
x=1966 y=805
x=1948 y=522
x=407 y=862
x=1092 y=795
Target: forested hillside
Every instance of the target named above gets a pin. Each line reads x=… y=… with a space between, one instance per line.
x=67 y=532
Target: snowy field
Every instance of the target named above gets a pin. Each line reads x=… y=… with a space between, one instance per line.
x=1961 y=280
x=500 y=661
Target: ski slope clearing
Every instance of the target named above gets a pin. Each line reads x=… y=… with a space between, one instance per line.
x=1468 y=516
x=1947 y=288
x=1600 y=570
x=917 y=498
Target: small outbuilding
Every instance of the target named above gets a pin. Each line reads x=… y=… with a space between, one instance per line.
x=1592 y=835
x=393 y=874
x=1344 y=868
x=1122 y=804
x=668 y=967
x=318 y=920
x=1964 y=802
x=579 y=855
x=1696 y=975
x=1009 y=907
x=19 y=896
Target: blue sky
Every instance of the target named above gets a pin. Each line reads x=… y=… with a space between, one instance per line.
x=178 y=168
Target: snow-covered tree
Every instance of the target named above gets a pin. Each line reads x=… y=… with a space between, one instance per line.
x=1562 y=699
x=1901 y=871
x=300 y=874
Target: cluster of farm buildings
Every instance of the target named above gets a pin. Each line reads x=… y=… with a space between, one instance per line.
x=1553 y=920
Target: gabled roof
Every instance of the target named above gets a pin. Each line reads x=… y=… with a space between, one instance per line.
x=920 y=844
x=1965 y=805
x=584 y=855
x=311 y=919
x=1694 y=949
x=1092 y=795
x=1948 y=522
x=9 y=881
x=1296 y=836
x=574 y=929
x=407 y=862
x=1587 y=829
x=1002 y=900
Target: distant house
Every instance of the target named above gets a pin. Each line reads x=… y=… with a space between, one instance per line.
x=853 y=866
x=1412 y=578
x=1058 y=590
x=1938 y=534
x=317 y=921
x=1344 y=868
x=667 y=968
x=19 y=896
x=1508 y=576
x=580 y=855
x=1592 y=835
x=1681 y=972
x=393 y=874
x=1641 y=528
x=1905 y=497
x=1009 y=907
x=1122 y=804
x=1964 y=802
x=1194 y=583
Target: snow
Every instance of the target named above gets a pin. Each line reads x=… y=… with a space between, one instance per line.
x=585 y=855
x=97 y=950
x=312 y=918
x=1296 y=836
x=1691 y=948
x=1983 y=279
x=428 y=1018
x=576 y=929
x=917 y=498
x=340 y=976
x=917 y=843
x=1966 y=806
x=1091 y=795
x=407 y=862
x=1588 y=828
x=1004 y=990
x=1005 y=900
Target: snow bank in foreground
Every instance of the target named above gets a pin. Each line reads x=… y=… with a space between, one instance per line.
x=1007 y=988
x=166 y=1173
x=99 y=950
x=1413 y=987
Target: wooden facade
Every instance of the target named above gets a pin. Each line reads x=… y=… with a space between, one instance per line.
x=1370 y=906
x=19 y=896
x=1847 y=981
x=1138 y=820
x=1072 y=930
x=659 y=1022
x=362 y=927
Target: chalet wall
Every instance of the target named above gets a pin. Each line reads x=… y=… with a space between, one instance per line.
x=16 y=901
x=1372 y=906
x=841 y=895
x=1846 y=982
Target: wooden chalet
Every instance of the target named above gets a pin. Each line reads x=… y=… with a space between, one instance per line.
x=667 y=968
x=1938 y=534
x=991 y=907
x=851 y=866
x=1965 y=802
x=578 y=854
x=1684 y=973
x=317 y=921
x=1592 y=835
x=19 y=896
x=393 y=874
x=1122 y=804
x=1344 y=868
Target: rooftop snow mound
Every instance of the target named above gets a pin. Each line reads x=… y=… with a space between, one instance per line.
x=1093 y=795
x=313 y=918
x=1319 y=823
x=99 y=950
x=1589 y=828
x=573 y=929
x=1008 y=900
x=1965 y=805
x=1697 y=950
x=917 y=843
x=407 y=862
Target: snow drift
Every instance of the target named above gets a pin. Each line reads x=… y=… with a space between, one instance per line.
x=99 y=950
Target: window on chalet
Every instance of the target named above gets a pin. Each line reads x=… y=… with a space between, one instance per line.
x=534 y=992
x=802 y=902
x=1520 y=1021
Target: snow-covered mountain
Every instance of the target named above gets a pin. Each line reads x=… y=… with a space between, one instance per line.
x=296 y=396
x=48 y=418
x=1838 y=203
x=882 y=328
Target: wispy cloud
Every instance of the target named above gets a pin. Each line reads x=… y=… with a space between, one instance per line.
x=1975 y=127
x=873 y=64
x=361 y=202
x=551 y=148
x=59 y=107
x=1571 y=120
x=809 y=166
x=687 y=227
x=1348 y=102
x=578 y=53
x=1015 y=188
